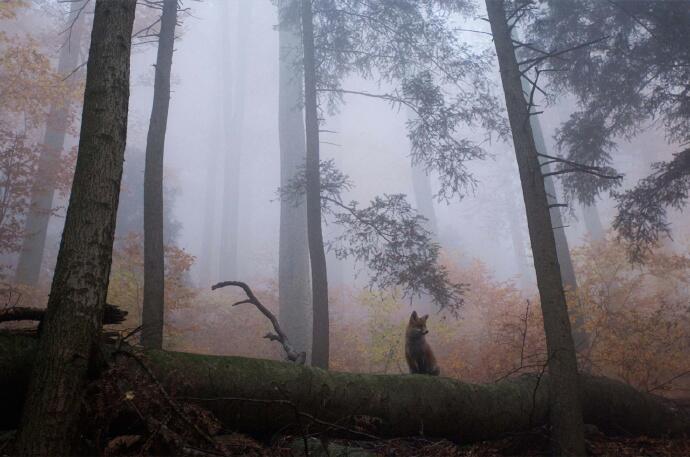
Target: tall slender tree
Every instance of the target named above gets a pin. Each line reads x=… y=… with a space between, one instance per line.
x=153 y=310
x=233 y=114
x=43 y=192
x=565 y=405
x=294 y=286
x=317 y=255
x=590 y=215
x=77 y=298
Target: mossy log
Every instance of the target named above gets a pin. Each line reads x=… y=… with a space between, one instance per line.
x=266 y=397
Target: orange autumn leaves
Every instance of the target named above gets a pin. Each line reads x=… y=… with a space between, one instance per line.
x=636 y=321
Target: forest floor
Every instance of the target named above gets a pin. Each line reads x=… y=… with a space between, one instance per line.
x=531 y=444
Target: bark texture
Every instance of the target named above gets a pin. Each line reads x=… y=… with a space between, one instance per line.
x=153 y=310
x=294 y=287
x=317 y=255
x=77 y=298
x=565 y=405
x=42 y=194
x=261 y=396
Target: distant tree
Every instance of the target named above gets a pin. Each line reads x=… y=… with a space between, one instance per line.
x=234 y=70
x=72 y=322
x=130 y=210
x=294 y=285
x=57 y=124
x=635 y=72
x=34 y=94
x=153 y=310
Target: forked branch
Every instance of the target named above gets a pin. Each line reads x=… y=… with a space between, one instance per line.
x=280 y=336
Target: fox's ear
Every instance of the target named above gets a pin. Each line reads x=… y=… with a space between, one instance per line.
x=424 y=317
x=414 y=317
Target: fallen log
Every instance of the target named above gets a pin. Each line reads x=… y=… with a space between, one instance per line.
x=266 y=397
x=111 y=314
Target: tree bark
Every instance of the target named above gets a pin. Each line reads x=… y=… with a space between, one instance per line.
x=153 y=310
x=391 y=405
x=294 y=287
x=77 y=297
x=317 y=255
x=42 y=194
x=567 y=428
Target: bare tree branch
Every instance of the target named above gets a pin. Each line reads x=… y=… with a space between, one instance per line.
x=292 y=354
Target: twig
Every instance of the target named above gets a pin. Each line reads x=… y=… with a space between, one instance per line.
x=280 y=336
x=669 y=381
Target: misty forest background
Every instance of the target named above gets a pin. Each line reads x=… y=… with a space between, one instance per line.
x=223 y=213
x=612 y=126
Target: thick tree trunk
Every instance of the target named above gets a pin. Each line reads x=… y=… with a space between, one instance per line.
x=317 y=255
x=294 y=287
x=42 y=194
x=77 y=297
x=565 y=404
x=153 y=310
x=384 y=405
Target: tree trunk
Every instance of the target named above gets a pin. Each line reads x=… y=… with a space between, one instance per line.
x=595 y=229
x=384 y=405
x=518 y=240
x=565 y=406
x=317 y=255
x=294 y=291
x=233 y=112
x=565 y=261
x=153 y=310
x=41 y=205
x=424 y=197
x=77 y=297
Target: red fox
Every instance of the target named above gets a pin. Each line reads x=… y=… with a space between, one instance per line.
x=418 y=353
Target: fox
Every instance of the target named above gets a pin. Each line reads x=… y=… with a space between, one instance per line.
x=420 y=357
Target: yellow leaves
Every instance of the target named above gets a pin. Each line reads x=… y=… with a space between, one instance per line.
x=8 y=8
x=637 y=317
x=127 y=279
x=28 y=83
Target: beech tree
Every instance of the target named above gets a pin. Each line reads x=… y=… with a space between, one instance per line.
x=294 y=285
x=317 y=254
x=153 y=310
x=72 y=323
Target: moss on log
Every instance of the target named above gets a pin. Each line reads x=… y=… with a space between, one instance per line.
x=265 y=396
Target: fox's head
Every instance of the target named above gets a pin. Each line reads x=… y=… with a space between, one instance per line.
x=417 y=325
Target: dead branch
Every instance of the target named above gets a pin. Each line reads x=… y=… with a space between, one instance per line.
x=280 y=336
x=582 y=170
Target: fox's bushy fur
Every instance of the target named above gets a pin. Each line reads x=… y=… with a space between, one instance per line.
x=420 y=357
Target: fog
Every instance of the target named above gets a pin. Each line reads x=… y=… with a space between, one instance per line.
x=370 y=145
